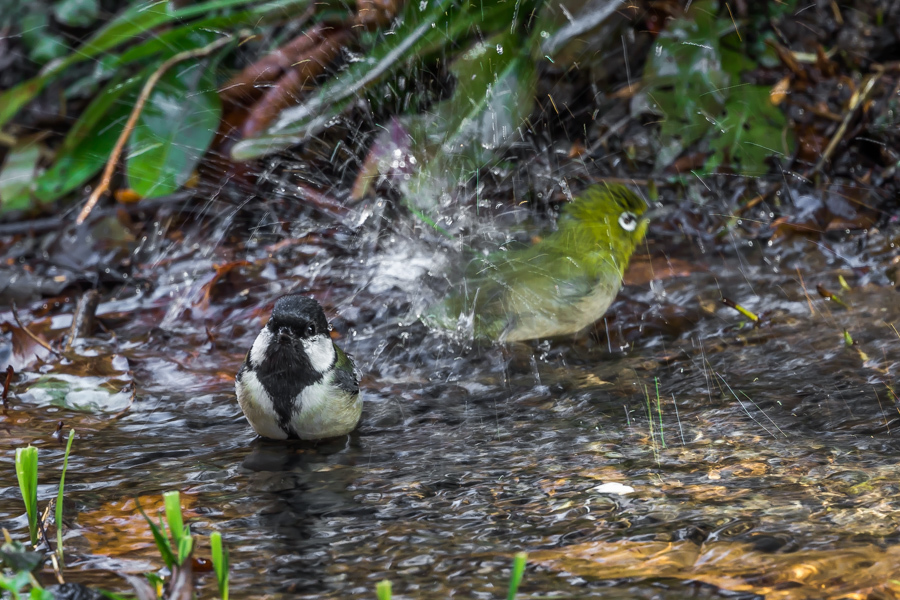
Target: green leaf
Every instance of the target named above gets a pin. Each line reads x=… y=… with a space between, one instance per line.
x=16 y=582
x=201 y=32
x=751 y=131
x=693 y=78
x=177 y=125
x=113 y=595
x=185 y=545
x=88 y=144
x=493 y=95
x=76 y=13
x=43 y=45
x=87 y=85
x=172 y=504
x=424 y=27
x=383 y=589
x=18 y=175
x=37 y=593
x=92 y=394
x=162 y=542
x=27 y=474
x=220 y=562
x=129 y=24
x=18 y=558
x=188 y=37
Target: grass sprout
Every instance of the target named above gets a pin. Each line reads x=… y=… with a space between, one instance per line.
x=383 y=590
x=59 y=499
x=518 y=571
x=27 y=474
x=220 y=562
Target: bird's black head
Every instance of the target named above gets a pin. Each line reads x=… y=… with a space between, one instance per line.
x=297 y=317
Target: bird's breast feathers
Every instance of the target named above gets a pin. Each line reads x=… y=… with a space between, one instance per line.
x=323 y=409
x=326 y=410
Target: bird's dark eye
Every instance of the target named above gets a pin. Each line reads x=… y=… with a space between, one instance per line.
x=309 y=330
x=628 y=221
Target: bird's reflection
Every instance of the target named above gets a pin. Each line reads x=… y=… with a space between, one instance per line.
x=304 y=493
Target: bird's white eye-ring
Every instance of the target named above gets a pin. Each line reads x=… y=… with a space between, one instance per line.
x=628 y=221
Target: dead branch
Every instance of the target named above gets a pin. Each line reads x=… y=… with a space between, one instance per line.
x=151 y=82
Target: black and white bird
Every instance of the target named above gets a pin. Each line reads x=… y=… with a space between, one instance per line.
x=295 y=382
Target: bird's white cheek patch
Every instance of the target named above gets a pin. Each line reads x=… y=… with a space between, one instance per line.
x=258 y=351
x=320 y=351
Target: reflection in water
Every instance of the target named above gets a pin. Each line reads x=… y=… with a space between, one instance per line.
x=303 y=488
x=776 y=443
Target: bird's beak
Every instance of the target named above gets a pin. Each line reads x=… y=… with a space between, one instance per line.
x=285 y=336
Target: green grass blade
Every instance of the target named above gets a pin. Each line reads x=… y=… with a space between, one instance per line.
x=515 y=578
x=181 y=535
x=220 y=562
x=662 y=435
x=27 y=474
x=172 y=504
x=185 y=545
x=113 y=595
x=59 y=500
x=162 y=542
x=185 y=37
x=383 y=590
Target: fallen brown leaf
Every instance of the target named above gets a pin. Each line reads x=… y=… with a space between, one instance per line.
x=857 y=571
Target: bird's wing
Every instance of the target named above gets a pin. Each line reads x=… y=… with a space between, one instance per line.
x=545 y=281
x=345 y=372
x=552 y=293
x=542 y=281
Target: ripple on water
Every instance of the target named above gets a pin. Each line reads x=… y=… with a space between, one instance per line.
x=772 y=445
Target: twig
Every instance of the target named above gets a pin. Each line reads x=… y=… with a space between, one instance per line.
x=82 y=318
x=41 y=525
x=37 y=226
x=7 y=140
x=851 y=112
x=9 y=375
x=735 y=23
x=151 y=82
x=56 y=571
x=27 y=331
x=622 y=181
x=747 y=313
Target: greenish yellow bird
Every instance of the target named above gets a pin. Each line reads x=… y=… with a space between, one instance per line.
x=559 y=285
